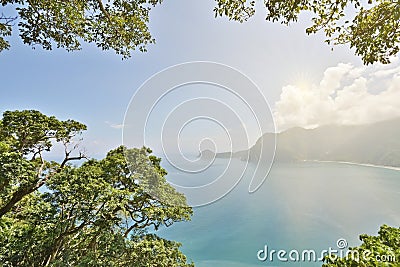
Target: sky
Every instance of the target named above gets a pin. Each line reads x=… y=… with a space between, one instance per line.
x=305 y=83
x=346 y=95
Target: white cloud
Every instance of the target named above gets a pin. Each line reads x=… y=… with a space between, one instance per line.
x=346 y=95
x=115 y=126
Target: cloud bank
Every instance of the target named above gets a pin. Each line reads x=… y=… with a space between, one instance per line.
x=346 y=95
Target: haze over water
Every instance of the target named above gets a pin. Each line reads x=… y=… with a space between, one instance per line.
x=306 y=205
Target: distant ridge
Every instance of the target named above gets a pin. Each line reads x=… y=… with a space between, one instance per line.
x=206 y=154
x=376 y=143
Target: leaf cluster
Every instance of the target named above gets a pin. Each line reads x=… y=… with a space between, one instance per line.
x=119 y=25
x=373 y=31
x=93 y=214
x=382 y=250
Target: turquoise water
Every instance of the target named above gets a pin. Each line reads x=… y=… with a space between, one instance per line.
x=300 y=206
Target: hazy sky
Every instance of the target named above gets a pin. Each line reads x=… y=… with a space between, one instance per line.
x=298 y=74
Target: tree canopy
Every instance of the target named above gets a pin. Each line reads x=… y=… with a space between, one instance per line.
x=120 y=25
x=371 y=27
x=373 y=31
x=379 y=251
x=92 y=214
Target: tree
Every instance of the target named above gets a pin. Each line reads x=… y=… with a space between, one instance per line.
x=374 y=30
x=381 y=250
x=120 y=25
x=94 y=214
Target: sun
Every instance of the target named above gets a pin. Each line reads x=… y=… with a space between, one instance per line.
x=303 y=80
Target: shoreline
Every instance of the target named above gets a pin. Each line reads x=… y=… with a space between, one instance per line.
x=357 y=164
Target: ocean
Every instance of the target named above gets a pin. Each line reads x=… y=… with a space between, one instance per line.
x=301 y=206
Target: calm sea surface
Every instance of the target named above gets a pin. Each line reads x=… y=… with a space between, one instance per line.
x=300 y=206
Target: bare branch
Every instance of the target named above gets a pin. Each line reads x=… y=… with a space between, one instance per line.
x=7 y=20
x=102 y=8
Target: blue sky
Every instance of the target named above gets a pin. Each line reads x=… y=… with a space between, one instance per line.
x=95 y=87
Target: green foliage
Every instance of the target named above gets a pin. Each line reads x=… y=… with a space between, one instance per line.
x=374 y=30
x=30 y=131
x=379 y=251
x=95 y=214
x=120 y=25
x=5 y=30
x=25 y=136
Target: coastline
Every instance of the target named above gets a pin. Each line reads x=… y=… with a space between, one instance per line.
x=357 y=164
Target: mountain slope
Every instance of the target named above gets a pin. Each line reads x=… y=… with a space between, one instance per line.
x=377 y=143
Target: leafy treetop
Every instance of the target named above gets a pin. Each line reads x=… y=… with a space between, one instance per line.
x=374 y=30
x=120 y=25
x=382 y=250
x=94 y=214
